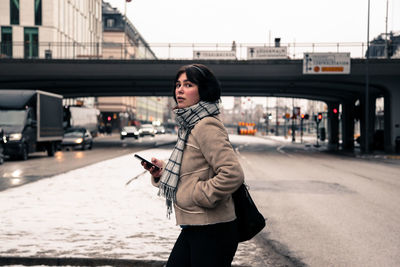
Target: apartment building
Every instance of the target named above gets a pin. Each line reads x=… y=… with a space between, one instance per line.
x=121 y=40
x=50 y=28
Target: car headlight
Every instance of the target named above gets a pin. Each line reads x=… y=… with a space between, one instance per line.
x=123 y=133
x=15 y=137
x=79 y=140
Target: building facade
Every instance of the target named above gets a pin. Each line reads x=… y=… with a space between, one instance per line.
x=121 y=40
x=50 y=28
x=385 y=46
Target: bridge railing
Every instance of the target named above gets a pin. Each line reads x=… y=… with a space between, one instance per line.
x=189 y=51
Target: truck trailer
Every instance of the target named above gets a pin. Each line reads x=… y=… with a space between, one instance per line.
x=81 y=117
x=32 y=121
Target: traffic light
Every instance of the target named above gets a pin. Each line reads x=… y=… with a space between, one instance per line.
x=319 y=117
x=304 y=116
x=335 y=111
x=109 y=118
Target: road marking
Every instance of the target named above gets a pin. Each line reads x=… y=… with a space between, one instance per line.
x=279 y=149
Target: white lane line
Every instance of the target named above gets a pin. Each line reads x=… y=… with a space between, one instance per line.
x=279 y=149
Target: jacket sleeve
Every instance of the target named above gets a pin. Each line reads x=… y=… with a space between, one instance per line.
x=155 y=181
x=214 y=144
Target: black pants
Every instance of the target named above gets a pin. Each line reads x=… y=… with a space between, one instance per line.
x=205 y=246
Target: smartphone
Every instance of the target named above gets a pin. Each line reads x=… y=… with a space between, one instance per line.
x=148 y=163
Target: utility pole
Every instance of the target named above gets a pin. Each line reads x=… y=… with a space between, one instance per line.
x=276 y=116
x=293 y=117
x=266 y=117
x=386 y=31
x=366 y=117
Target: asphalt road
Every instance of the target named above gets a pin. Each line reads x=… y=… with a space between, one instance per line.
x=325 y=209
x=39 y=165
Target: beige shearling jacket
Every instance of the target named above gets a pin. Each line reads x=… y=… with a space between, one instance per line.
x=210 y=173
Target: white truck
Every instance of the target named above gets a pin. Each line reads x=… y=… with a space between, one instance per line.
x=81 y=117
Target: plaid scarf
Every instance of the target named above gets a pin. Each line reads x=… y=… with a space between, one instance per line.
x=187 y=118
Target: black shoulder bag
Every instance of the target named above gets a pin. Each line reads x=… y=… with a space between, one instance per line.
x=250 y=220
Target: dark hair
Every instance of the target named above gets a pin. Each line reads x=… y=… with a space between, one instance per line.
x=202 y=76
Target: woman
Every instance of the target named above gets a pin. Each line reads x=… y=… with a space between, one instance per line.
x=201 y=174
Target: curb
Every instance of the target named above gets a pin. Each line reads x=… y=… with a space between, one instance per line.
x=48 y=261
x=32 y=261
x=393 y=157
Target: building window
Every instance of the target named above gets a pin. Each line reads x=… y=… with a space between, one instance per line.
x=31 y=43
x=110 y=23
x=6 y=42
x=14 y=12
x=38 y=12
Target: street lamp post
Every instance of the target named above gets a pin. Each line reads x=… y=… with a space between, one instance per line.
x=366 y=139
x=386 y=31
x=293 y=118
x=125 y=19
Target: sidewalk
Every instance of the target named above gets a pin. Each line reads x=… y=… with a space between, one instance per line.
x=310 y=142
x=103 y=214
x=307 y=141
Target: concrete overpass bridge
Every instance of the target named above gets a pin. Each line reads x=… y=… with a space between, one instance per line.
x=73 y=78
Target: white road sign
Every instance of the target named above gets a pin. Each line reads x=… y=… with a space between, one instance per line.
x=267 y=52
x=326 y=63
x=214 y=54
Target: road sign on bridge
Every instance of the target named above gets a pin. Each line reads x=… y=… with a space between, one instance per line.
x=326 y=63
x=267 y=52
x=214 y=54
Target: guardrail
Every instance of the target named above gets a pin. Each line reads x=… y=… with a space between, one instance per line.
x=110 y=50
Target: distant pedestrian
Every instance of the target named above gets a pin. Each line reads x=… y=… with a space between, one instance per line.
x=201 y=174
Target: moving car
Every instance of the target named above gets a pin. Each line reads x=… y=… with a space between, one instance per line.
x=77 y=138
x=160 y=130
x=129 y=131
x=147 y=129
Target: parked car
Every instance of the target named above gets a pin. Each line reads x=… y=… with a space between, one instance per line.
x=2 y=142
x=77 y=138
x=147 y=129
x=129 y=131
x=160 y=130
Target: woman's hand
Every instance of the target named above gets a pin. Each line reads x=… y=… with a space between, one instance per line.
x=155 y=173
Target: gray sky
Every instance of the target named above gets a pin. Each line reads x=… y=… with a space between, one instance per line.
x=254 y=21
x=259 y=21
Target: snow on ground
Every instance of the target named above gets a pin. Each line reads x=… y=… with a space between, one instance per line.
x=89 y=212
x=99 y=211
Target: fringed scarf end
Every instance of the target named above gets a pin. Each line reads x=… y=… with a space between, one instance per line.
x=169 y=194
x=169 y=209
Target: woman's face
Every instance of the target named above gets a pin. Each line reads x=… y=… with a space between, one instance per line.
x=186 y=92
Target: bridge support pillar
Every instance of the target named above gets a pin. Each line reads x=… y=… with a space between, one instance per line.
x=392 y=119
x=348 y=111
x=371 y=122
x=333 y=126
